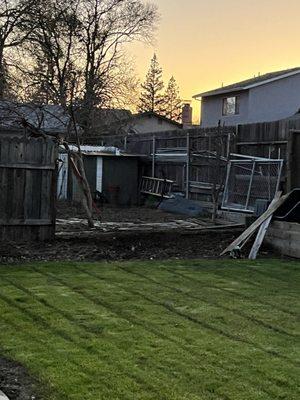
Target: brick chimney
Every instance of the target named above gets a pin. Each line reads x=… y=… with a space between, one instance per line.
x=187 y=114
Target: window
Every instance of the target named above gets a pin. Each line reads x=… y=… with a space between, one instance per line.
x=230 y=106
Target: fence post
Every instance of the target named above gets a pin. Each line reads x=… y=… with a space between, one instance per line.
x=153 y=156
x=187 y=189
x=226 y=194
x=250 y=185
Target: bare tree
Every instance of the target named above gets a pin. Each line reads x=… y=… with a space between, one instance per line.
x=106 y=25
x=13 y=14
x=51 y=46
x=78 y=45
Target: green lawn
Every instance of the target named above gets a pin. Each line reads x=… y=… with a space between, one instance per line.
x=179 y=330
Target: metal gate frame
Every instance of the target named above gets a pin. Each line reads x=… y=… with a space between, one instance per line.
x=246 y=208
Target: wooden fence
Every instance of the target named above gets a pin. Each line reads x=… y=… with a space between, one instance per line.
x=269 y=140
x=28 y=188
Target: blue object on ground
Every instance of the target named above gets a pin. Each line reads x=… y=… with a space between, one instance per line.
x=179 y=205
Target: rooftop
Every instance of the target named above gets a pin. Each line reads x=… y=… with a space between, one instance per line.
x=253 y=82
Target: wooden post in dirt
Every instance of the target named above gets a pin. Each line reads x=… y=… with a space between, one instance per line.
x=187 y=186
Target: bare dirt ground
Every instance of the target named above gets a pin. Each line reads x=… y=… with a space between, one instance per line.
x=139 y=246
x=118 y=214
x=126 y=234
x=15 y=382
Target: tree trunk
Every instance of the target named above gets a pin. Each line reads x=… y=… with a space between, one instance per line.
x=2 y=75
x=86 y=198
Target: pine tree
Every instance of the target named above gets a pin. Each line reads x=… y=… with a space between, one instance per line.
x=151 y=98
x=172 y=101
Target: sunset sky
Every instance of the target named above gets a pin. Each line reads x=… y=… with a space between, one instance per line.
x=206 y=42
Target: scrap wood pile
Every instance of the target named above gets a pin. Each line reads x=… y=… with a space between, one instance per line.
x=261 y=224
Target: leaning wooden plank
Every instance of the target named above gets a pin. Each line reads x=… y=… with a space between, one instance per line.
x=262 y=231
x=246 y=234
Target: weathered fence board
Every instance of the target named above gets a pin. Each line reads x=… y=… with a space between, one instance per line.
x=28 y=188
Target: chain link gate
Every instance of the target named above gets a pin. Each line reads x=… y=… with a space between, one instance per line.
x=250 y=181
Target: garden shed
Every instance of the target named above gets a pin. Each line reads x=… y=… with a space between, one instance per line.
x=112 y=176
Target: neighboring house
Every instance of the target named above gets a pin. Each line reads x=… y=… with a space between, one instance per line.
x=123 y=122
x=265 y=98
x=51 y=119
x=148 y=122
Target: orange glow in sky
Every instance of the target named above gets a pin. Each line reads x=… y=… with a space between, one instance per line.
x=205 y=43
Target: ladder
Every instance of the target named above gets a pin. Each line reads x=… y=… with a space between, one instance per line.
x=156 y=186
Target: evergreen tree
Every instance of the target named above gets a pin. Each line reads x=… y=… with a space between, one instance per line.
x=151 y=98
x=172 y=101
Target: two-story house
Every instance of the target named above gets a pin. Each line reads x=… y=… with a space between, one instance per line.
x=265 y=98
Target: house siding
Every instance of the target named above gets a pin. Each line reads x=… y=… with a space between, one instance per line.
x=275 y=100
x=269 y=102
x=212 y=107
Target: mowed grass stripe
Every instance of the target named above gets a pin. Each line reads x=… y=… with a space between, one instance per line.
x=195 y=296
x=245 y=378
x=225 y=290
x=107 y=371
x=209 y=275
x=274 y=380
x=132 y=319
x=126 y=370
x=192 y=296
x=216 y=330
x=174 y=358
x=69 y=317
x=61 y=355
x=149 y=378
x=239 y=294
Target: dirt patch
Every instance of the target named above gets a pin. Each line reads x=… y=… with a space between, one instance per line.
x=118 y=214
x=143 y=246
x=124 y=234
x=15 y=382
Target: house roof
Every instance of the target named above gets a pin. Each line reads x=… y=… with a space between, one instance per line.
x=155 y=115
x=50 y=118
x=250 y=83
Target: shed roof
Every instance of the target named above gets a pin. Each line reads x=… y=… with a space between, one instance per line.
x=99 y=151
x=249 y=83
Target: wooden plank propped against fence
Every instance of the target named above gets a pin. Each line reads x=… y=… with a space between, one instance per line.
x=262 y=231
x=252 y=228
